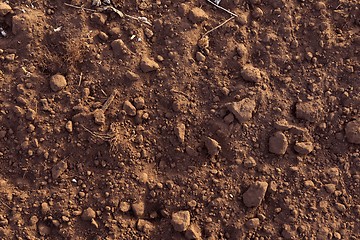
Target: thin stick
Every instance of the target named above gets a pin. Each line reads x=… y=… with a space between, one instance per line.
x=109 y=101
x=218 y=26
x=224 y=9
x=79 y=7
x=98 y=135
x=1 y=201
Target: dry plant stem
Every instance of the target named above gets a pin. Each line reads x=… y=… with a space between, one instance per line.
x=218 y=26
x=98 y=135
x=224 y=9
x=109 y=101
x=79 y=7
x=1 y=201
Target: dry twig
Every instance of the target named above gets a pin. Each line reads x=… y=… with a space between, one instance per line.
x=109 y=100
x=218 y=26
x=79 y=7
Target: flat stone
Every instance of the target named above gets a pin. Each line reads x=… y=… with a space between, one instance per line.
x=242 y=110
x=180 y=220
x=278 y=143
x=57 y=82
x=59 y=169
x=255 y=194
x=303 y=148
x=88 y=214
x=148 y=65
x=352 y=132
x=197 y=15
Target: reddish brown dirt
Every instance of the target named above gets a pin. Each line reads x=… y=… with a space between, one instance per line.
x=111 y=128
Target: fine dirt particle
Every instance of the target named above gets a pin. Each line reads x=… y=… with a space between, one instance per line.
x=242 y=110
x=148 y=65
x=255 y=194
x=251 y=74
x=352 y=131
x=57 y=82
x=304 y=147
x=278 y=143
x=180 y=220
x=197 y=15
x=88 y=214
x=59 y=169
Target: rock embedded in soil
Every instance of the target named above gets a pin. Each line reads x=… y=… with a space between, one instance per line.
x=308 y=110
x=129 y=108
x=132 y=76
x=251 y=74
x=88 y=214
x=145 y=226
x=252 y=223
x=212 y=146
x=200 y=57
x=352 y=131
x=278 y=143
x=119 y=48
x=99 y=116
x=98 y=18
x=43 y=229
x=4 y=9
x=124 y=207
x=138 y=209
x=255 y=194
x=148 y=65
x=59 y=169
x=193 y=232
x=242 y=110
x=303 y=148
x=180 y=220
x=45 y=208
x=57 y=82
x=180 y=132
x=197 y=15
